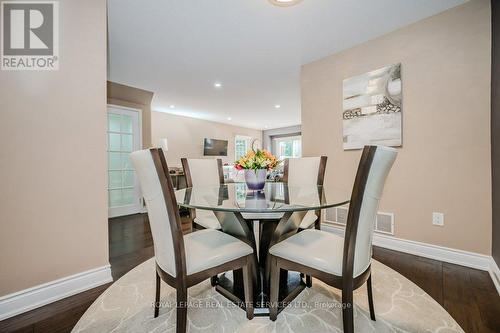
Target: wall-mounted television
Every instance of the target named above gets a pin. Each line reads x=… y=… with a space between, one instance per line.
x=213 y=147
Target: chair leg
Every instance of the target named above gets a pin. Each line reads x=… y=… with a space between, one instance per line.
x=370 y=298
x=181 y=310
x=317 y=224
x=348 y=310
x=213 y=280
x=248 y=287
x=157 y=296
x=274 y=292
x=309 y=281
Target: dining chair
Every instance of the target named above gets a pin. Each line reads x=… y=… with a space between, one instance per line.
x=342 y=263
x=203 y=172
x=306 y=171
x=184 y=261
x=299 y=172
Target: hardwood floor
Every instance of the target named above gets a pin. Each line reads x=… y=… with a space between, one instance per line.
x=467 y=294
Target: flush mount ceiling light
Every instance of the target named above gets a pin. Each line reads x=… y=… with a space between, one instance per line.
x=284 y=3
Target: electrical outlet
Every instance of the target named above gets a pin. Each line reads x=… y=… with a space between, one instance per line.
x=438 y=219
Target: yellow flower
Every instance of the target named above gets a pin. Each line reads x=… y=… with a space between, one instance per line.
x=260 y=159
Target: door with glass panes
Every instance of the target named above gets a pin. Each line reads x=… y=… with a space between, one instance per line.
x=124 y=137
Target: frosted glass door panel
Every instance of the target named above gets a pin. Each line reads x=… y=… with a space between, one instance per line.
x=127 y=124
x=123 y=138
x=114 y=121
x=127 y=143
x=114 y=142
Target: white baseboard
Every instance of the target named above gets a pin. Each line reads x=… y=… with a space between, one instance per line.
x=453 y=256
x=32 y=298
x=495 y=274
x=441 y=253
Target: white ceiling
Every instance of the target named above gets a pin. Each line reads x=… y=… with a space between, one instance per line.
x=179 y=48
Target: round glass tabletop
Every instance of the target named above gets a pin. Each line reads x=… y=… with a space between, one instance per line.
x=274 y=198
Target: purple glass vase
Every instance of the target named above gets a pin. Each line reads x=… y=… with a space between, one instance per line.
x=255 y=179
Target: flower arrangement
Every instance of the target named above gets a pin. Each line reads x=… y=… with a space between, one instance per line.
x=256 y=160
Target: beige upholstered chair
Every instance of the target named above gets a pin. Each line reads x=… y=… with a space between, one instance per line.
x=343 y=263
x=184 y=261
x=203 y=172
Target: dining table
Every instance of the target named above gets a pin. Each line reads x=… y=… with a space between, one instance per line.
x=261 y=219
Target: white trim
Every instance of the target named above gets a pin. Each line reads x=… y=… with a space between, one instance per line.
x=495 y=274
x=453 y=256
x=125 y=108
x=32 y=298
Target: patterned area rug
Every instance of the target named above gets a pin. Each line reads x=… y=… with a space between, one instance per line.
x=400 y=306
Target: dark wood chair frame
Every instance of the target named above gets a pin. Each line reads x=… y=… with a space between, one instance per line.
x=182 y=281
x=347 y=283
x=320 y=182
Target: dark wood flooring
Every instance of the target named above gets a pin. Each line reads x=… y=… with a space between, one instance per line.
x=467 y=294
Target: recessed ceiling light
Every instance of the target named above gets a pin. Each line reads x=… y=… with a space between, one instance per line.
x=228 y=118
x=217 y=84
x=284 y=3
x=172 y=106
x=277 y=106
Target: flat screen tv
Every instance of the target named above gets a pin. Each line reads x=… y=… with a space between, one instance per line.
x=213 y=147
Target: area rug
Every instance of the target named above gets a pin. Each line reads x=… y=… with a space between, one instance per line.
x=400 y=306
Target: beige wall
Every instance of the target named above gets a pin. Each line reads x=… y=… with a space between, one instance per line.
x=444 y=164
x=53 y=216
x=122 y=95
x=185 y=136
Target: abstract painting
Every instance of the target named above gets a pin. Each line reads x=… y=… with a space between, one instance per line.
x=372 y=108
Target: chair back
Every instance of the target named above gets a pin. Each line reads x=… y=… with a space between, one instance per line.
x=158 y=192
x=203 y=172
x=374 y=166
x=304 y=171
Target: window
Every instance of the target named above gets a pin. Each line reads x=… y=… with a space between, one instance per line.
x=241 y=146
x=287 y=147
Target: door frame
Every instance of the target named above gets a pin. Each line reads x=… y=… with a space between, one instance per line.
x=125 y=210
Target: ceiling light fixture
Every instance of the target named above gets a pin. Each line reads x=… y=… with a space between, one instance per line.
x=277 y=106
x=228 y=118
x=284 y=3
x=172 y=106
x=217 y=85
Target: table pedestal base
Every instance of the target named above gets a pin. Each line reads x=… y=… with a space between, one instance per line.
x=230 y=284
x=289 y=289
